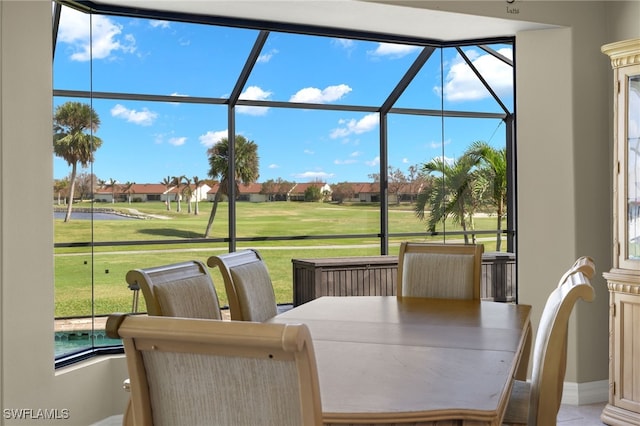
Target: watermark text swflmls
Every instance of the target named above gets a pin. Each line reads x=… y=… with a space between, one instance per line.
x=36 y=413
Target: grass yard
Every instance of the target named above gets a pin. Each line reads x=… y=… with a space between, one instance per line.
x=81 y=276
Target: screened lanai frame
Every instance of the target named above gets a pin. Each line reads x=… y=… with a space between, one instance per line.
x=233 y=101
x=265 y=28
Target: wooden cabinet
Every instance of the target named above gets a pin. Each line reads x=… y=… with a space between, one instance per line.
x=344 y=276
x=624 y=278
x=377 y=276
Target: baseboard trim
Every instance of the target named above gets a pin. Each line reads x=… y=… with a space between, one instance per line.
x=585 y=393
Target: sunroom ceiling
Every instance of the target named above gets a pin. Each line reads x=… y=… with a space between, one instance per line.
x=351 y=15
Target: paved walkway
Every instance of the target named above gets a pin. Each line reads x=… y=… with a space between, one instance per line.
x=86 y=324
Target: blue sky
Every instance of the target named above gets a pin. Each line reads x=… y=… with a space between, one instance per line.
x=145 y=141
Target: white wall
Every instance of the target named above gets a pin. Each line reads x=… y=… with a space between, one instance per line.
x=26 y=228
x=564 y=178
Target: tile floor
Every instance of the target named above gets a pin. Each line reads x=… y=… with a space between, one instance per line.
x=569 y=415
x=583 y=415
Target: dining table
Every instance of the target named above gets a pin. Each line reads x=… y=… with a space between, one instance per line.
x=384 y=360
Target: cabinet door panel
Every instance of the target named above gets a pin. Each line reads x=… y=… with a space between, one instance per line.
x=627 y=332
x=628 y=139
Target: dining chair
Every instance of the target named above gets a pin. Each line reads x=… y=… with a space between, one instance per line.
x=182 y=289
x=537 y=402
x=194 y=371
x=584 y=264
x=446 y=271
x=248 y=285
x=451 y=271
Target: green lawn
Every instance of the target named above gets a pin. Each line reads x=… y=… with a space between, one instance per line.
x=75 y=272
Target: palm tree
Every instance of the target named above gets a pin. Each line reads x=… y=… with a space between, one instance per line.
x=247 y=168
x=450 y=195
x=112 y=182
x=168 y=183
x=70 y=122
x=127 y=188
x=59 y=185
x=196 y=183
x=495 y=160
x=187 y=192
x=177 y=181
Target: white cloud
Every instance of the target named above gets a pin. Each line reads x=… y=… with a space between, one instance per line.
x=345 y=43
x=392 y=50
x=438 y=144
x=266 y=57
x=210 y=138
x=274 y=166
x=178 y=141
x=348 y=46
x=315 y=95
x=374 y=162
x=308 y=151
x=311 y=176
x=143 y=118
x=444 y=159
x=107 y=36
x=350 y=160
x=405 y=161
x=177 y=95
x=253 y=93
x=348 y=127
x=461 y=83
x=159 y=24
x=343 y=162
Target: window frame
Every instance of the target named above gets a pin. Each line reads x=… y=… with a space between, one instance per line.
x=264 y=28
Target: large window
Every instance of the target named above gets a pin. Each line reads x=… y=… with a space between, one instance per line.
x=359 y=141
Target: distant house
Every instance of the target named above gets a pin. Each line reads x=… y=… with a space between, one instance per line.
x=363 y=192
x=197 y=194
x=253 y=192
x=138 y=192
x=250 y=192
x=369 y=192
x=146 y=192
x=366 y=192
x=297 y=192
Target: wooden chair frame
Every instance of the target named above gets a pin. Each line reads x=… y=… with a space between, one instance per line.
x=223 y=340
x=151 y=279
x=474 y=250
x=237 y=294
x=584 y=264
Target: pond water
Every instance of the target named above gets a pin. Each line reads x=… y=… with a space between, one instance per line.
x=88 y=216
